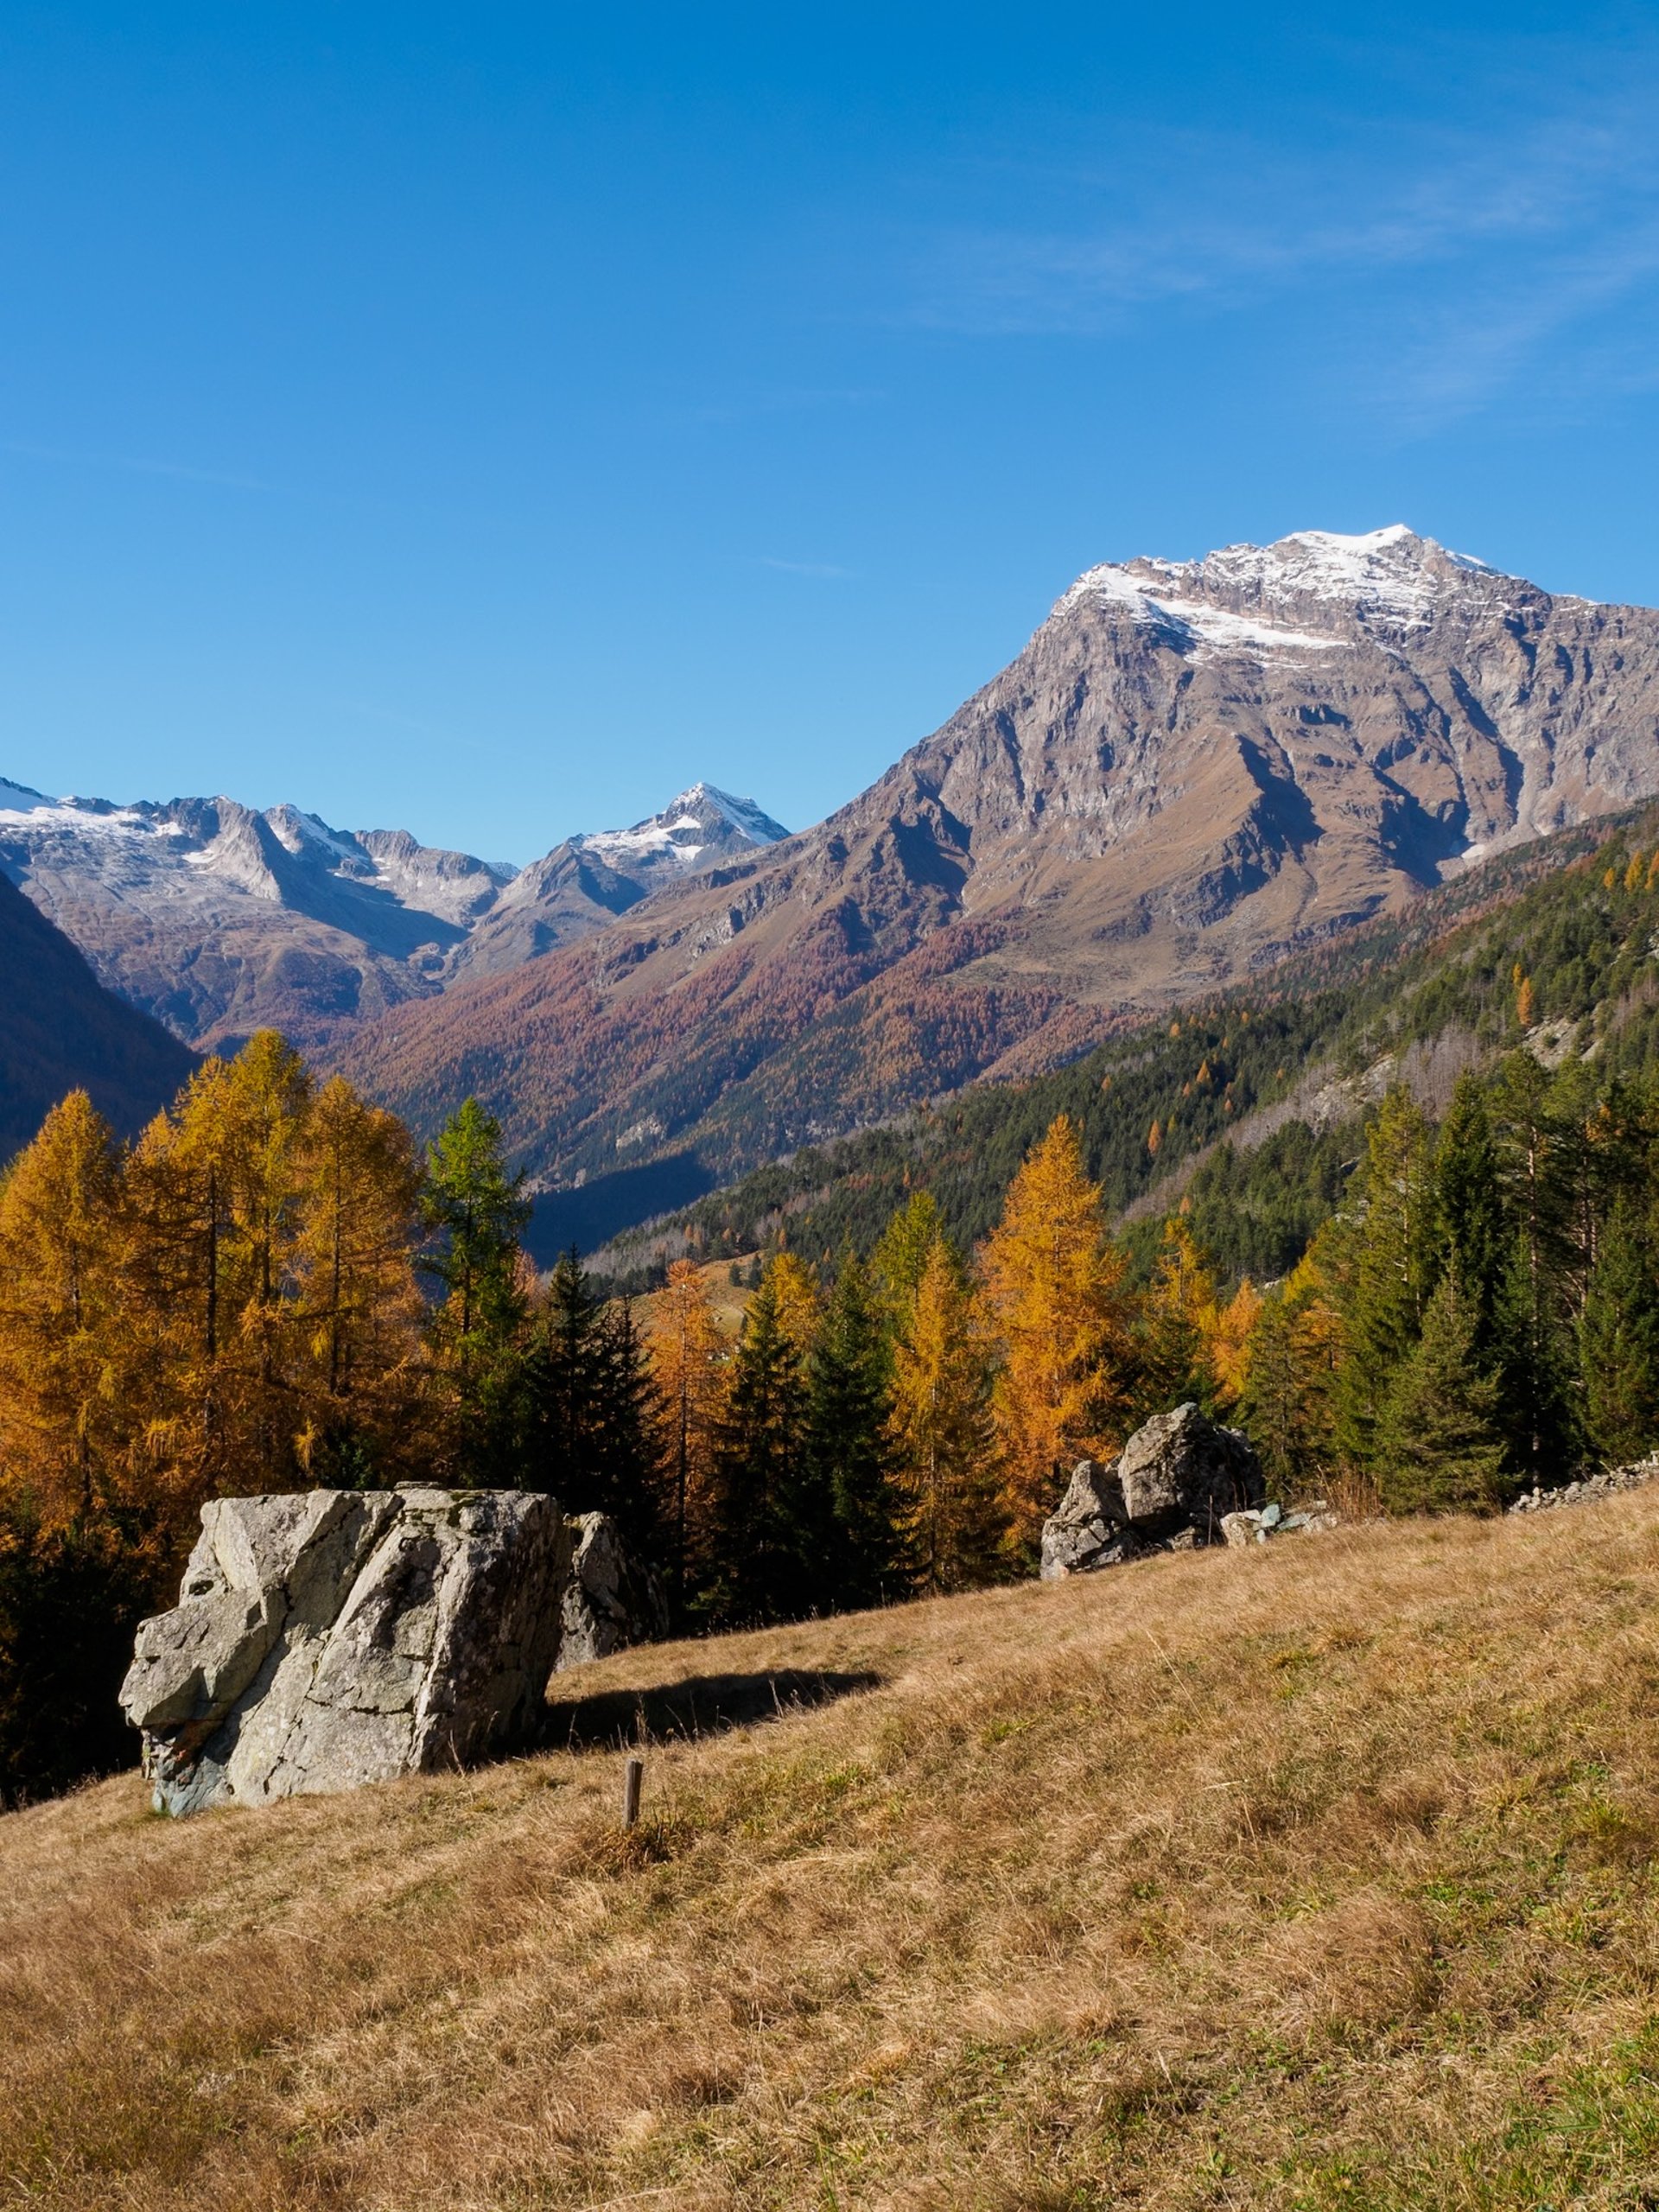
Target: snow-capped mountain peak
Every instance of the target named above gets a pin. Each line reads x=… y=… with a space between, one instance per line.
x=580 y=884
x=698 y=825
x=1303 y=594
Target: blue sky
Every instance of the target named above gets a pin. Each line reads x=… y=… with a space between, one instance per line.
x=486 y=420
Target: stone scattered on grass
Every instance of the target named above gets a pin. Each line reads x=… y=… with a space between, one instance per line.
x=1588 y=1488
x=1260 y=1528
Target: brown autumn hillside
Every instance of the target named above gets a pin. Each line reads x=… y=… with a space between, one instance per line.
x=1308 y=1878
x=62 y=1032
x=1192 y=769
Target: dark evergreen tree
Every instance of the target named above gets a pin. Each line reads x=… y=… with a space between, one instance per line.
x=473 y=1209
x=760 y=1512
x=1271 y=1405
x=1471 y=1230
x=1391 y=1262
x=70 y=1600
x=590 y=1403
x=1439 y=1448
x=849 y=1397
x=1535 y=1349
x=1618 y=1344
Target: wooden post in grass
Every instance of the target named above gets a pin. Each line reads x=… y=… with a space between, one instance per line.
x=632 y=1775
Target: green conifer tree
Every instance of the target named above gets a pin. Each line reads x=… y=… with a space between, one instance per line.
x=1271 y=1404
x=1439 y=1448
x=849 y=1392
x=1471 y=1230
x=1618 y=1344
x=762 y=1511
x=901 y=1256
x=1387 y=1291
x=473 y=1209
x=591 y=1406
x=1536 y=1166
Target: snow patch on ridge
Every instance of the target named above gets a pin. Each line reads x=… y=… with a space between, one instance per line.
x=1381 y=572
x=1201 y=629
x=1391 y=575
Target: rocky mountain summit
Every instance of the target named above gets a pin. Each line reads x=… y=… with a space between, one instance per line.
x=1192 y=769
x=217 y=918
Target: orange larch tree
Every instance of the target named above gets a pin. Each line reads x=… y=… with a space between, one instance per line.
x=1055 y=1292
x=941 y=1433
x=63 y=1414
x=688 y=1361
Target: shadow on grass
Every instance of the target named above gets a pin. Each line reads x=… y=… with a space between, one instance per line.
x=704 y=1705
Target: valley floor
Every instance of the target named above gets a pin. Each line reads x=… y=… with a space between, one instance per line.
x=1316 y=1875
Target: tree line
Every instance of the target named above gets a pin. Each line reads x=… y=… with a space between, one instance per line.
x=274 y=1287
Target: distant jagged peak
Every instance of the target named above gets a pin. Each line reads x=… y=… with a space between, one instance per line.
x=696 y=820
x=742 y=814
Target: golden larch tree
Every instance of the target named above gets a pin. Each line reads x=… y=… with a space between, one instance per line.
x=800 y=1306
x=355 y=1277
x=62 y=1410
x=688 y=1363
x=941 y=1433
x=1054 y=1288
x=1228 y=1350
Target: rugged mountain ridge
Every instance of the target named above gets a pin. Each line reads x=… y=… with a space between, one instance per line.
x=1192 y=769
x=217 y=918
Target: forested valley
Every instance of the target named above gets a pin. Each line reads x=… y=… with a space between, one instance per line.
x=1410 y=1308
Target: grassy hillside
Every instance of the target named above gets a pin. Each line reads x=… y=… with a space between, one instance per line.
x=1306 y=1878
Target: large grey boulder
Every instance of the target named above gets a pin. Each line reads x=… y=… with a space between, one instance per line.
x=1183 y=1471
x=1174 y=1484
x=339 y=1637
x=610 y=1601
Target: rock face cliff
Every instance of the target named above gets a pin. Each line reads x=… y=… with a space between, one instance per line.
x=1193 y=768
x=326 y=1640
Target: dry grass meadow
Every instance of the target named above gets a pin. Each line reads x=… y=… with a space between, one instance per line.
x=1316 y=1876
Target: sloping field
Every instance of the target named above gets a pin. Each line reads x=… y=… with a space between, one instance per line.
x=1321 y=1876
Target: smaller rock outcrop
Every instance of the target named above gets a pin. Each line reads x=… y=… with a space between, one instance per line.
x=1252 y=1526
x=610 y=1601
x=335 y=1638
x=1172 y=1486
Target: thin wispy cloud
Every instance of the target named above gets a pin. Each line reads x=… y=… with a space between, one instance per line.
x=137 y=465
x=826 y=569
x=1534 y=226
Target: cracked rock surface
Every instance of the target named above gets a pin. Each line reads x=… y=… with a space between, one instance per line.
x=336 y=1637
x=610 y=1601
